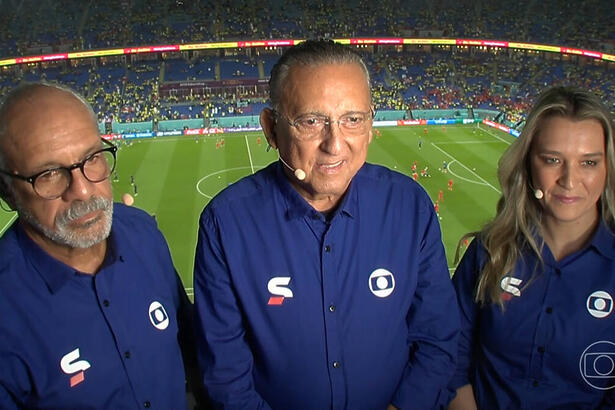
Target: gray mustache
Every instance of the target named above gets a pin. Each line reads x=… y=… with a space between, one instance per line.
x=81 y=208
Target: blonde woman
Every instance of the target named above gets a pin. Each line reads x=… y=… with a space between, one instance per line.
x=536 y=288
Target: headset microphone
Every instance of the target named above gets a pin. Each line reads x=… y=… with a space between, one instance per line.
x=299 y=173
x=538 y=193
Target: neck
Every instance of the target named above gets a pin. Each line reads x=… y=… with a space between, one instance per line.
x=84 y=260
x=565 y=238
x=325 y=203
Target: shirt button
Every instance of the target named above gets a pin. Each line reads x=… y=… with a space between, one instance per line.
x=127 y=354
x=541 y=349
x=332 y=308
x=327 y=248
x=105 y=303
x=147 y=404
x=336 y=365
x=558 y=271
x=535 y=383
x=549 y=310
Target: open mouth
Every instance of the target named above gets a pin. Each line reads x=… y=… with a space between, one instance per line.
x=332 y=167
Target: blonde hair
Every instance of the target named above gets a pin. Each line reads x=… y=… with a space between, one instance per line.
x=517 y=223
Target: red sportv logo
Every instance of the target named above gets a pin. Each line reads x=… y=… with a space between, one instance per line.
x=278 y=288
x=511 y=286
x=71 y=365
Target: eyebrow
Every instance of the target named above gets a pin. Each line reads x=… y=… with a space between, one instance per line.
x=588 y=154
x=53 y=165
x=321 y=114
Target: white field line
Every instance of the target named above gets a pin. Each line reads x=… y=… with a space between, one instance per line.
x=494 y=135
x=5 y=227
x=467 y=169
x=472 y=181
x=249 y=154
x=216 y=173
x=465 y=142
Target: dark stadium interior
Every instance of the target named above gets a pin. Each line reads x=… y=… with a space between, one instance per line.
x=232 y=81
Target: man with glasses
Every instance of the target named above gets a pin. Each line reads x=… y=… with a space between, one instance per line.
x=321 y=281
x=91 y=309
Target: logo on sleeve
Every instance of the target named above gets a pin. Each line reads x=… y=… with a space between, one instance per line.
x=381 y=282
x=70 y=364
x=278 y=287
x=158 y=316
x=600 y=304
x=510 y=285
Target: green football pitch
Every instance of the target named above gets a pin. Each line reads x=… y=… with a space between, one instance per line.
x=176 y=177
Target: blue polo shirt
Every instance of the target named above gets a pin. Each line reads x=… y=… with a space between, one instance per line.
x=70 y=340
x=299 y=312
x=554 y=344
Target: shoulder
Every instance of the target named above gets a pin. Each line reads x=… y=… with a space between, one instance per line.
x=471 y=263
x=391 y=184
x=245 y=193
x=604 y=240
x=10 y=250
x=386 y=177
x=247 y=187
x=131 y=216
x=129 y=221
x=136 y=238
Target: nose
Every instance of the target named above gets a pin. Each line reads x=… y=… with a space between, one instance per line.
x=567 y=177
x=333 y=138
x=80 y=187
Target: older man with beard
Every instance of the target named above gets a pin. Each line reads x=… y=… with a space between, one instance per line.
x=92 y=312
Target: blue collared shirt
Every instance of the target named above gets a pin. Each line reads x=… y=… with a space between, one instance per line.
x=554 y=344
x=69 y=340
x=297 y=312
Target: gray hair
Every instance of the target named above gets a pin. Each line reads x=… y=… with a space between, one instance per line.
x=23 y=92
x=309 y=53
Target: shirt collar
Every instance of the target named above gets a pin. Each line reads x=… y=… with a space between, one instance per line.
x=298 y=207
x=55 y=273
x=604 y=241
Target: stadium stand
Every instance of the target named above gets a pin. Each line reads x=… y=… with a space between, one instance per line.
x=407 y=81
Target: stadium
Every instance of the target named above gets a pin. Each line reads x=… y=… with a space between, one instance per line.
x=162 y=91
x=179 y=87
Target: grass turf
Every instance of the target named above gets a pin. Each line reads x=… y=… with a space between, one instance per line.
x=176 y=177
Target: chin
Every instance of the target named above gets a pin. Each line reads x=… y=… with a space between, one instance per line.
x=93 y=234
x=82 y=237
x=331 y=189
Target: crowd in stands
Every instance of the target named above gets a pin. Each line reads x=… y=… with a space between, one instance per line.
x=437 y=77
x=26 y=25
x=413 y=80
